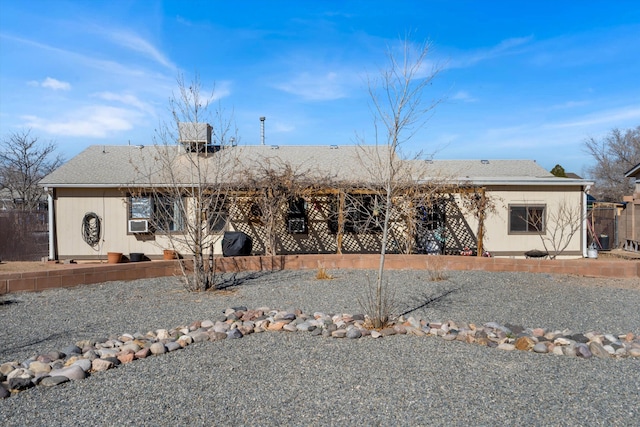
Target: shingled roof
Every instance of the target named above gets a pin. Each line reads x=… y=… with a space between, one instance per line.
x=123 y=165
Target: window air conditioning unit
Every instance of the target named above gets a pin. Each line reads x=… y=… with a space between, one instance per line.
x=138 y=226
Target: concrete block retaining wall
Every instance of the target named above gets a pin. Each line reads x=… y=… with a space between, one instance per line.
x=81 y=274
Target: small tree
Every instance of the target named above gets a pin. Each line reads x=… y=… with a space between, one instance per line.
x=399 y=110
x=558 y=171
x=275 y=187
x=614 y=154
x=188 y=181
x=479 y=204
x=558 y=228
x=24 y=161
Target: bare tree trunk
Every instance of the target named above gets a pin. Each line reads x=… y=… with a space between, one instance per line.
x=399 y=106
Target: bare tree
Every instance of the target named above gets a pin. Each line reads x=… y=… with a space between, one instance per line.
x=185 y=183
x=399 y=110
x=557 y=227
x=479 y=204
x=276 y=188
x=614 y=155
x=24 y=161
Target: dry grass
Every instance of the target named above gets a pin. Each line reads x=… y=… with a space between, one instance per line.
x=437 y=268
x=321 y=273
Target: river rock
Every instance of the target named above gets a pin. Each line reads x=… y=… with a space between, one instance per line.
x=142 y=353
x=53 y=381
x=524 y=343
x=339 y=333
x=234 y=334
x=506 y=346
x=85 y=364
x=70 y=350
x=20 y=384
x=582 y=350
x=20 y=373
x=91 y=354
x=305 y=327
x=353 y=333
x=5 y=368
x=540 y=348
x=387 y=332
x=132 y=346
x=216 y=336
x=157 y=348
x=173 y=346
x=74 y=372
x=598 y=350
x=126 y=358
x=55 y=355
x=579 y=338
x=99 y=365
x=633 y=352
x=289 y=327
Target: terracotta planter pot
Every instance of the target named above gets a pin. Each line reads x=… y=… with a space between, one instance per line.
x=169 y=254
x=114 y=257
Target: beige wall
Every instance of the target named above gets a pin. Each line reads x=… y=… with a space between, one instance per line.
x=497 y=238
x=110 y=204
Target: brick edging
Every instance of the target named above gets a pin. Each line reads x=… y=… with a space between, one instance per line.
x=80 y=275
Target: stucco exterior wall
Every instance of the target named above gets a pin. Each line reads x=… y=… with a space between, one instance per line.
x=500 y=242
x=111 y=206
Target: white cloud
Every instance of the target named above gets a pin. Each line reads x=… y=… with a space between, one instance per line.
x=464 y=96
x=134 y=42
x=79 y=60
x=569 y=105
x=221 y=90
x=126 y=99
x=50 y=83
x=280 y=127
x=315 y=87
x=97 y=121
x=611 y=118
x=505 y=47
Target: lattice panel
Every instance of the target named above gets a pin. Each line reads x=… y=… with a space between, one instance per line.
x=458 y=232
x=320 y=239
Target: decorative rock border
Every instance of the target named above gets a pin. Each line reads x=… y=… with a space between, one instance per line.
x=79 y=360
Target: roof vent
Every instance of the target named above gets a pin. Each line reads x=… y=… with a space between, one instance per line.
x=333 y=147
x=275 y=147
x=484 y=162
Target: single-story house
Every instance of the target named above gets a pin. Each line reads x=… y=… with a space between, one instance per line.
x=110 y=199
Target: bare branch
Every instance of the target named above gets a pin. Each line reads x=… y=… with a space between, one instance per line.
x=24 y=161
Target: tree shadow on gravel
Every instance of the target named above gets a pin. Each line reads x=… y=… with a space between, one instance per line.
x=50 y=337
x=9 y=302
x=428 y=300
x=232 y=280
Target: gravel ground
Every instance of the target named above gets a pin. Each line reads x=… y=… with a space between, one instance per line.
x=296 y=379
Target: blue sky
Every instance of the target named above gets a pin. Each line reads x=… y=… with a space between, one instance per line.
x=519 y=80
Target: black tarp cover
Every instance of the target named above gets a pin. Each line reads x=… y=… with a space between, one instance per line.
x=236 y=243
